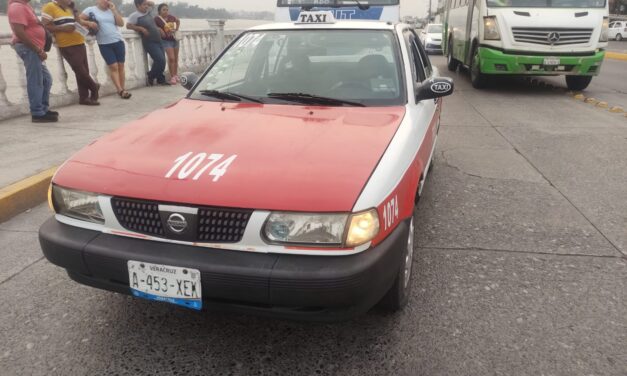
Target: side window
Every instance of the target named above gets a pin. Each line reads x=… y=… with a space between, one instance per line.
x=418 y=71
x=412 y=59
x=426 y=63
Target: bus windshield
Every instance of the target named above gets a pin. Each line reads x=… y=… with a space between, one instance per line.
x=331 y=3
x=546 y=3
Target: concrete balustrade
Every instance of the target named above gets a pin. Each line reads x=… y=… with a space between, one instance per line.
x=197 y=50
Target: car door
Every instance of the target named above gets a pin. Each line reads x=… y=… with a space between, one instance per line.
x=423 y=114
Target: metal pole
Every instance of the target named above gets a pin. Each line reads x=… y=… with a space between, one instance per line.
x=429 y=13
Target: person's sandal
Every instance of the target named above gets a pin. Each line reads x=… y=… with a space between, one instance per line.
x=125 y=94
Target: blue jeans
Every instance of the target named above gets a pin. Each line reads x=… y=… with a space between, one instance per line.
x=38 y=80
x=157 y=54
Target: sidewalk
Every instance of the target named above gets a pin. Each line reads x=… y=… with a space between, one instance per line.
x=31 y=151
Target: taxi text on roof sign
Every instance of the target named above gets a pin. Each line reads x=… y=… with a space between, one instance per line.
x=320 y=17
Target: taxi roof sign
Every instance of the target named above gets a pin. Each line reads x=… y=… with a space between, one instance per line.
x=315 y=17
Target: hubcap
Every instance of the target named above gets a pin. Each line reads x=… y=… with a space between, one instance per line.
x=409 y=254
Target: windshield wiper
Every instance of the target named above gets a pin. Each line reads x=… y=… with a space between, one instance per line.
x=228 y=96
x=310 y=98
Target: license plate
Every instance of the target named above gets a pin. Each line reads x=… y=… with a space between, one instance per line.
x=551 y=61
x=164 y=283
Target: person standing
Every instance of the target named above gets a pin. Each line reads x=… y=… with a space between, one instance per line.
x=110 y=41
x=143 y=22
x=29 y=39
x=169 y=24
x=60 y=18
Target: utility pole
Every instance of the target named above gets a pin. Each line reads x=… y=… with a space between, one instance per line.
x=429 y=13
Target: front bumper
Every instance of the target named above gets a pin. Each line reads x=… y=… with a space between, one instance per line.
x=494 y=61
x=324 y=288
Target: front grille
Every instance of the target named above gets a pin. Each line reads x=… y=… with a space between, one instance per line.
x=138 y=216
x=215 y=225
x=220 y=225
x=547 y=36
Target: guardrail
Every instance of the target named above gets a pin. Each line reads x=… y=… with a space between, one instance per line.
x=197 y=50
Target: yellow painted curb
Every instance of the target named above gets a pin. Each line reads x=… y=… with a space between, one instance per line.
x=616 y=55
x=24 y=194
x=591 y=101
x=602 y=105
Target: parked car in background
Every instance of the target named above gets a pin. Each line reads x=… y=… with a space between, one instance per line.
x=431 y=38
x=618 y=30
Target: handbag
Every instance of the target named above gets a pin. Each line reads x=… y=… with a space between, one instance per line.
x=48 y=44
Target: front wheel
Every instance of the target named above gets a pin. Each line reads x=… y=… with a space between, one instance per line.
x=398 y=295
x=451 y=63
x=619 y=37
x=577 y=83
x=478 y=79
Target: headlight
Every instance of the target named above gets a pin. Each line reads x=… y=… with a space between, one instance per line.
x=301 y=228
x=77 y=204
x=319 y=229
x=604 y=30
x=491 y=28
x=363 y=228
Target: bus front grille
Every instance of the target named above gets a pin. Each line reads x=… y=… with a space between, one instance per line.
x=551 y=36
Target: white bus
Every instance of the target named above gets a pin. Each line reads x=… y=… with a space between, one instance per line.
x=527 y=37
x=375 y=10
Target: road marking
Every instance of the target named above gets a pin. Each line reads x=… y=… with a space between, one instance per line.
x=616 y=55
x=24 y=194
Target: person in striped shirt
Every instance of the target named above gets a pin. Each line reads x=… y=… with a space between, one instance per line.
x=60 y=18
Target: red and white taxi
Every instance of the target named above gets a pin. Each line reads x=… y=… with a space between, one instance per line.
x=284 y=183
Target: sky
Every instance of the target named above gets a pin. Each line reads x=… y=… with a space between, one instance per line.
x=408 y=7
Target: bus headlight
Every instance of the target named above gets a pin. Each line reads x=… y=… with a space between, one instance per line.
x=76 y=204
x=604 y=30
x=491 y=28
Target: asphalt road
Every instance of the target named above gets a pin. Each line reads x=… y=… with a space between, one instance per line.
x=520 y=269
x=609 y=86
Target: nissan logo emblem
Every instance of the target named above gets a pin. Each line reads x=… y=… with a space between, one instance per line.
x=177 y=223
x=553 y=37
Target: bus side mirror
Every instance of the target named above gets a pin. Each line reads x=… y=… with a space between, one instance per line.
x=434 y=88
x=188 y=80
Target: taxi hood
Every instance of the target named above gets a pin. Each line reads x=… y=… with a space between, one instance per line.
x=297 y=158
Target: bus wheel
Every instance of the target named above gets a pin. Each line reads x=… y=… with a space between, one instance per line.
x=478 y=79
x=577 y=83
x=451 y=63
x=397 y=297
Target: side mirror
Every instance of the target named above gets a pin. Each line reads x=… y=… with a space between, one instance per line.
x=434 y=88
x=188 y=80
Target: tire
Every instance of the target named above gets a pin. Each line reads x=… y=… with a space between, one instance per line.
x=577 y=83
x=477 y=79
x=398 y=295
x=619 y=37
x=451 y=63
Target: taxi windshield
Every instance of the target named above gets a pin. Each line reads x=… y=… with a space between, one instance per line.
x=326 y=67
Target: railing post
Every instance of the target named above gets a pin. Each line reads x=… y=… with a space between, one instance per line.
x=218 y=42
x=182 y=54
x=91 y=60
x=132 y=67
x=62 y=72
x=4 y=101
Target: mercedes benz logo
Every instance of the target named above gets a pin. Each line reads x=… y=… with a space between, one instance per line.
x=553 y=37
x=177 y=223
